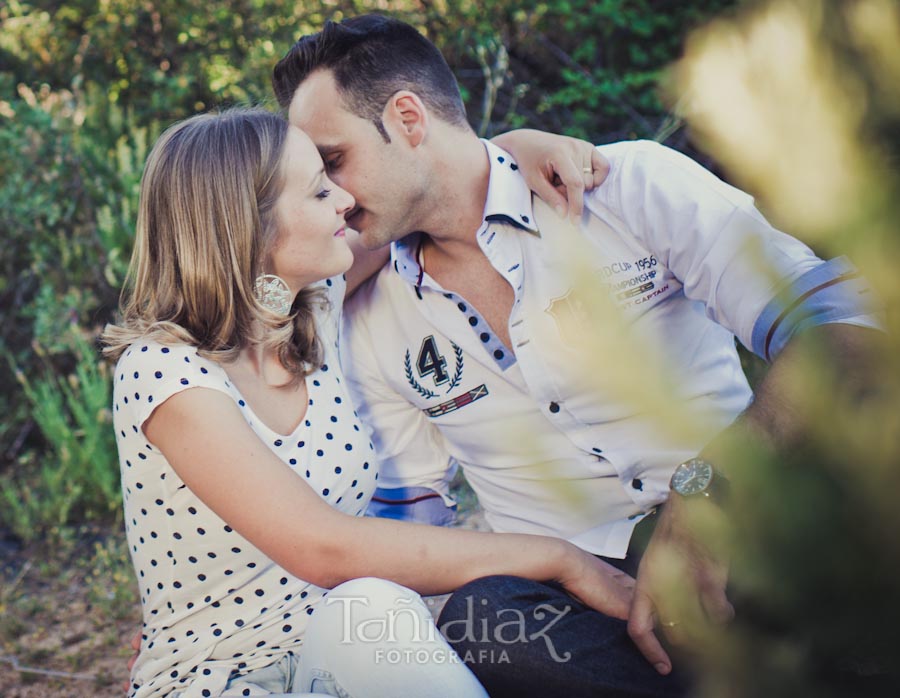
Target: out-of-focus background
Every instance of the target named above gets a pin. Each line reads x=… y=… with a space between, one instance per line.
x=797 y=101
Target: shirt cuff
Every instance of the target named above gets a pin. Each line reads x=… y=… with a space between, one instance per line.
x=831 y=292
x=416 y=504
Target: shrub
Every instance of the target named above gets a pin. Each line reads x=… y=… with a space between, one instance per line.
x=77 y=478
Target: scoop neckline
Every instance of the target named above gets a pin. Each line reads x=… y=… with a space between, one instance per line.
x=302 y=425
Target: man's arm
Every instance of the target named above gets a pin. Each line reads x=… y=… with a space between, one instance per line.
x=778 y=419
x=777 y=415
x=775 y=295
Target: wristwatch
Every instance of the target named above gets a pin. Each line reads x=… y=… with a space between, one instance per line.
x=696 y=478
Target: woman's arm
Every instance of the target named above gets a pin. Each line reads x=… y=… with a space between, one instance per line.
x=209 y=444
x=557 y=168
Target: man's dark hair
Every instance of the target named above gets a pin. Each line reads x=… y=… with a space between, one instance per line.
x=372 y=57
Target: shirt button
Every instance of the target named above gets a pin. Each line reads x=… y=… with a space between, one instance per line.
x=554 y=407
x=637 y=484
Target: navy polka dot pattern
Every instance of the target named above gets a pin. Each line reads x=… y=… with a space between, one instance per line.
x=496 y=349
x=213 y=603
x=407 y=265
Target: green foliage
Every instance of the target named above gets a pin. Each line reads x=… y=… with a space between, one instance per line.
x=160 y=61
x=67 y=204
x=588 y=68
x=115 y=166
x=77 y=478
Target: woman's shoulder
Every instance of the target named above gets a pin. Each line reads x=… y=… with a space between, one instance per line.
x=149 y=372
x=158 y=358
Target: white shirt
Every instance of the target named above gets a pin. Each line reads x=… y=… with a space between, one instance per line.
x=545 y=452
x=212 y=602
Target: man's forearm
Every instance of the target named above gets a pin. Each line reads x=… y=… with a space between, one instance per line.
x=780 y=415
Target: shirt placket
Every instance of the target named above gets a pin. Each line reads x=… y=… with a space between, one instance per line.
x=553 y=395
x=499 y=241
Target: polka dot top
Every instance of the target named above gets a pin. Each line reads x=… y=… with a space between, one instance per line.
x=212 y=603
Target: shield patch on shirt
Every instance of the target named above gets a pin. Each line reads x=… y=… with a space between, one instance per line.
x=569 y=314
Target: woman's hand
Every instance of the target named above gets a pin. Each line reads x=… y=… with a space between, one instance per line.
x=598 y=584
x=557 y=168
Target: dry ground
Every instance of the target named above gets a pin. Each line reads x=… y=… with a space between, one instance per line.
x=65 y=621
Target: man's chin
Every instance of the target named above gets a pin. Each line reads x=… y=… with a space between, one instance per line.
x=372 y=242
x=370 y=237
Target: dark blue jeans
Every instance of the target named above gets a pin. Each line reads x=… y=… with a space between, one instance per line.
x=523 y=638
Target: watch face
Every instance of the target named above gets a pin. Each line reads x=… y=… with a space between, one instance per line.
x=692 y=477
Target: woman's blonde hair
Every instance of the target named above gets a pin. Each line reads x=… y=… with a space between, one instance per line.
x=205 y=225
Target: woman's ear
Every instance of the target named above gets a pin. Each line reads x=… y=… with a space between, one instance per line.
x=408 y=116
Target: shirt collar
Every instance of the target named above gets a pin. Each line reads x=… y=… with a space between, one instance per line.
x=405 y=258
x=508 y=200
x=508 y=197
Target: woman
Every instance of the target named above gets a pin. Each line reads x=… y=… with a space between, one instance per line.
x=245 y=469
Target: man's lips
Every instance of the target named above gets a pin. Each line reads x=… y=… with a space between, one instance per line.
x=353 y=216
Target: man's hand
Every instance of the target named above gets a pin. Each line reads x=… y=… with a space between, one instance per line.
x=136 y=646
x=681 y=583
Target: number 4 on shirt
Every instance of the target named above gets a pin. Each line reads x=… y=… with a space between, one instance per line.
x=431 y=361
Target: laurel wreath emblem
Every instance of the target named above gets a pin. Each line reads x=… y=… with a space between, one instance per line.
x=457 y=374
x=423 y=391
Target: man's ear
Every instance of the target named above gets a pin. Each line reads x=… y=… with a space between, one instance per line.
x=408 y=116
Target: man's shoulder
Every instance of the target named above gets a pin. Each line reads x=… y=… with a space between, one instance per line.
x=379 y=304
x=641 y=168
x=646 y=155
x=620 y=151
x=374 y=291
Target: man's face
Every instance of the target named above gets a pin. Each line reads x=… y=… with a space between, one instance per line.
x=378 y=174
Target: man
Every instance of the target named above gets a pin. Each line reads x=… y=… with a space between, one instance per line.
x=461 y=343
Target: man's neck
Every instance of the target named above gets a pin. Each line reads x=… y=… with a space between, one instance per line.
x=456 y=207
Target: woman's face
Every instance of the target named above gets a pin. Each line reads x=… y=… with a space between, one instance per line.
x=309 y=214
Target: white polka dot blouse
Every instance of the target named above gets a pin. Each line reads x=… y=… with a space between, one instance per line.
x=213 y=604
